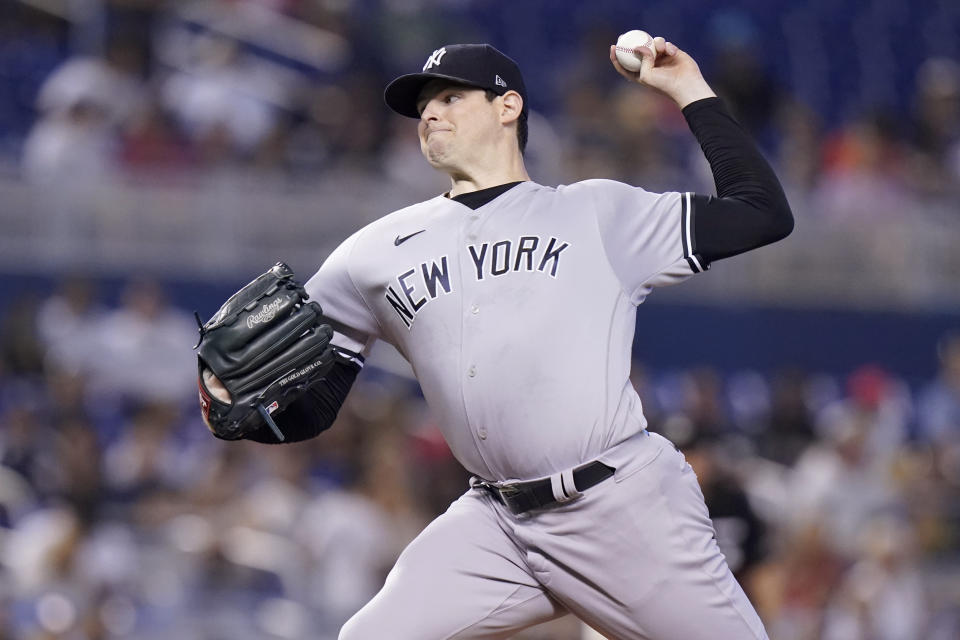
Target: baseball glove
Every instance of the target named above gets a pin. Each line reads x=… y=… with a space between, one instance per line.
x=265 y=345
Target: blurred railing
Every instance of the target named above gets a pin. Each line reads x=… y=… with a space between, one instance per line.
x=227 y=226
x=909 y=263
x=208 y=228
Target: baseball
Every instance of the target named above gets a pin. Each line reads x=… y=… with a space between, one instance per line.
x=629 y=41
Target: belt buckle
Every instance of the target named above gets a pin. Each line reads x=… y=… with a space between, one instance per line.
x=509 y=490
x=513 y=497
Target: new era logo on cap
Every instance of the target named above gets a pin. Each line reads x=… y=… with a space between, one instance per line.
x=473 y=65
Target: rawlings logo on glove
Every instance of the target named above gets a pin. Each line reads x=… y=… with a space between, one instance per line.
x=267 y=313
x=262 y=349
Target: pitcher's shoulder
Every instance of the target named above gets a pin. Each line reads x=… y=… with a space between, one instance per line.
x=594 y=186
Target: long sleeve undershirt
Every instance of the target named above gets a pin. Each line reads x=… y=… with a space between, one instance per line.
x=313 y=412
x=750 y=209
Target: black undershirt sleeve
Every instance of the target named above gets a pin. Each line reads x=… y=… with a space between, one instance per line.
x=750 y=209
x=314 y=412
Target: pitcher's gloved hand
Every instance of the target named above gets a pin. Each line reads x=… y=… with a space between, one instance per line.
x=260 y=352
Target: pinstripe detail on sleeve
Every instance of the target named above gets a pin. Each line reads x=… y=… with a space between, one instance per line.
x=686 y=232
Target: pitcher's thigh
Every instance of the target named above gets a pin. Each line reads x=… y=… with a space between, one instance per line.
x=699 y=598
x=649 y=567
x=460 y=578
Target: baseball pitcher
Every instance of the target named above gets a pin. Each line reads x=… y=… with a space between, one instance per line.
x=516 y=304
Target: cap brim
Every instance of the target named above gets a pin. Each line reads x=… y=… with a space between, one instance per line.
x=402 y=94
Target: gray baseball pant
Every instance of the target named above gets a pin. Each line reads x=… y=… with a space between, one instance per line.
x=634 y=557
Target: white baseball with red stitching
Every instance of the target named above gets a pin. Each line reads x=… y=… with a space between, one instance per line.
x=629 y=41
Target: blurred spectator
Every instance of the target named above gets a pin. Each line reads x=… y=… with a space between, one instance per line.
x=152 y=143
x=878 y=402
x=793 y=591
x=112 y=83
x=65 y=565
x=881 y=597
x=863 y=179
x=841 y=482
x=344 y=129
x=257 y=545
x=360 y=136
x=935 y=165
x=223 y=474
x=68 y=322
x=75 y=144
x=17 y=498
x=227 y=102
x=737 y=72
x=704 y=402
x=649 y=137
x=789 y=430
x=939 y=403
x=31 y=47
x=144 y=348
x=82 y=105
x=149 y=456
x=21 y=348
x=799 y=160
x=75 y=474
x=588 y=138
x=932 y=473
x=26 y=445
x=352 y=542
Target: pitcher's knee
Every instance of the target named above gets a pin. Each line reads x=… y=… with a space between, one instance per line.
x=367 y=625
x=375 y=623
x=356 y=629
x=348 y=630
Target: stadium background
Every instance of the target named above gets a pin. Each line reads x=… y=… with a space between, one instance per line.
x=157 y=154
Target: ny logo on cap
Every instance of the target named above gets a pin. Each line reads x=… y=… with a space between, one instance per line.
x=435 y=57
x=499 y=81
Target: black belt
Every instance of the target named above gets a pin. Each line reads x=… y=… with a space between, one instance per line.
x=520 y=497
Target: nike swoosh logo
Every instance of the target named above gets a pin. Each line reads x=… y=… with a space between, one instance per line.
x=399 y=241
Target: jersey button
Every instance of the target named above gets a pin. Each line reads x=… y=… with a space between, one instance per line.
x=472 y=371
x=474 y=309
x=482 y=433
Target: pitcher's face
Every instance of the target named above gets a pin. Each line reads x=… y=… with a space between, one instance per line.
x=457 y=124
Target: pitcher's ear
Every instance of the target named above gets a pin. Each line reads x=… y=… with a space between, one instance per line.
x=512 y=106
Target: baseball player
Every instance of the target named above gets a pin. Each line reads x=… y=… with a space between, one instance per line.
x=516 y=303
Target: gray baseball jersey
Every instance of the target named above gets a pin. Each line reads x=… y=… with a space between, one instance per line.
x=518 y=320
x=517 y=317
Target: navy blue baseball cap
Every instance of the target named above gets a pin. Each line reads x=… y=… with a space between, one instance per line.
x=474 y=65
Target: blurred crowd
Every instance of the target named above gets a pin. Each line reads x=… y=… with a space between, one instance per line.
x=294 y=88
x=121 y=516
x=836 y=499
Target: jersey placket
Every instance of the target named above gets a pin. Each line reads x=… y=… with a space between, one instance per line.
x=471 y=314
